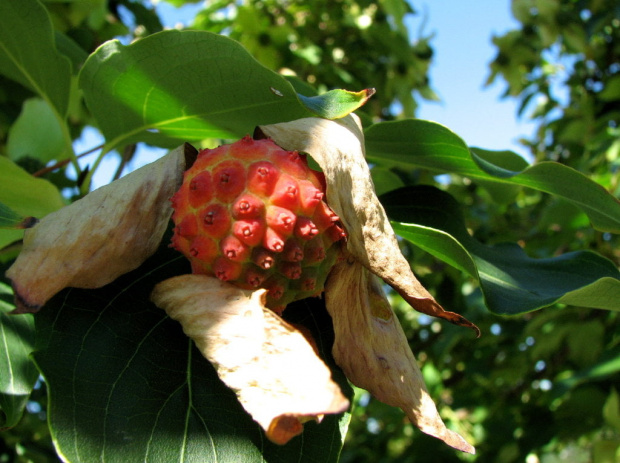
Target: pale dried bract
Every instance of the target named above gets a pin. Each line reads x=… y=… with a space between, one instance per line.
x=373 y=351
x=109 y=232
x=338 y=147
x=269 y=364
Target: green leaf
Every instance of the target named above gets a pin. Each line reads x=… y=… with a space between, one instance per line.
x=415 y=143
x=337 y=103
x=183 y=85
x=512 y=282
x=9 y=218
x=609 y=364
x=25 y=195
x=611 y=410
x=125 y=383
x=28 y=53
x=36 y=133
x=385 y=180
x=17 y=372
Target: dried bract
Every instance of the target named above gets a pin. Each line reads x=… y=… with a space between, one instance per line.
x=109 y=232
x=268 y=363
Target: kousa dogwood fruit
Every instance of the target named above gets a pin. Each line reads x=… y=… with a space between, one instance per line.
x=254 y=215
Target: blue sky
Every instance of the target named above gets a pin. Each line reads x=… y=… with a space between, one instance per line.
x=463 y=50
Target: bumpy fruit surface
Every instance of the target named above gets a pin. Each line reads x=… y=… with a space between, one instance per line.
x=253 y=214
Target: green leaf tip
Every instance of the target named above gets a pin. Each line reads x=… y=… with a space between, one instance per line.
x=9 y=219
x=338 y=103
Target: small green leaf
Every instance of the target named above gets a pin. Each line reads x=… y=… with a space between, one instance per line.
x=512 y=282
x=415 y=143
x=126 y=384
x=17 y=372
x=611 y=410
x=9 y=219
x=25 y=195
x=183 y=85
x=385 y=180
x=36 y=133
x=608 y=364
x=28 y=53
x=336 y=103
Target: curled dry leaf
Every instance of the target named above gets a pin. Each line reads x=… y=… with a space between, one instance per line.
x=370 y=345
x=338 y=147
x=268 y=363
x=109 y=232
x=372 y=349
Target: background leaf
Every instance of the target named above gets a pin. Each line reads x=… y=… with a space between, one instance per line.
x=127 y=385
x=36 y=133
x=511 y=281
x=188 y=85
x=25 y=195
x=17 y=372
x=418 y=143
x=28 y=53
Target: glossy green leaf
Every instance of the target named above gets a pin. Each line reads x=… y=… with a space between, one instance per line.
x=511 y=281
x=28 y=53
x=416 y=143
x=36 y=133
x=17 y=372
x=125 y=383
x=337 y=103
x=183 y=85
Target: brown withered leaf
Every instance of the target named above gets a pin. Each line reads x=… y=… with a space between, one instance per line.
x=338 y=148
x=372 y=349
x=109 y=232
x=268 y=363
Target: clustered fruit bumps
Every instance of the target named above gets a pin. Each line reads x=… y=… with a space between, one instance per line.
x=253 y=214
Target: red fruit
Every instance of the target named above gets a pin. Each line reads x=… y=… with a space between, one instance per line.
x=228 y=180
x=232 y=248
x=250 y=232
x=292 y=252
x=247 y=206
x=281 y=220
x=255 y=277
x=254 y=215
x=309 y=197
x=291 y=270
x=262 y=178
x=273 y=241
x=225 y=269
x=214 y=220
x=200 y=189
x=306 y=229
x=286 y=193
x=263 y=258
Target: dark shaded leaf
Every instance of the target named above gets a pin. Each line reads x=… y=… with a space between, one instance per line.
x=127 y=385
x=17 y=372
x=511 y=281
